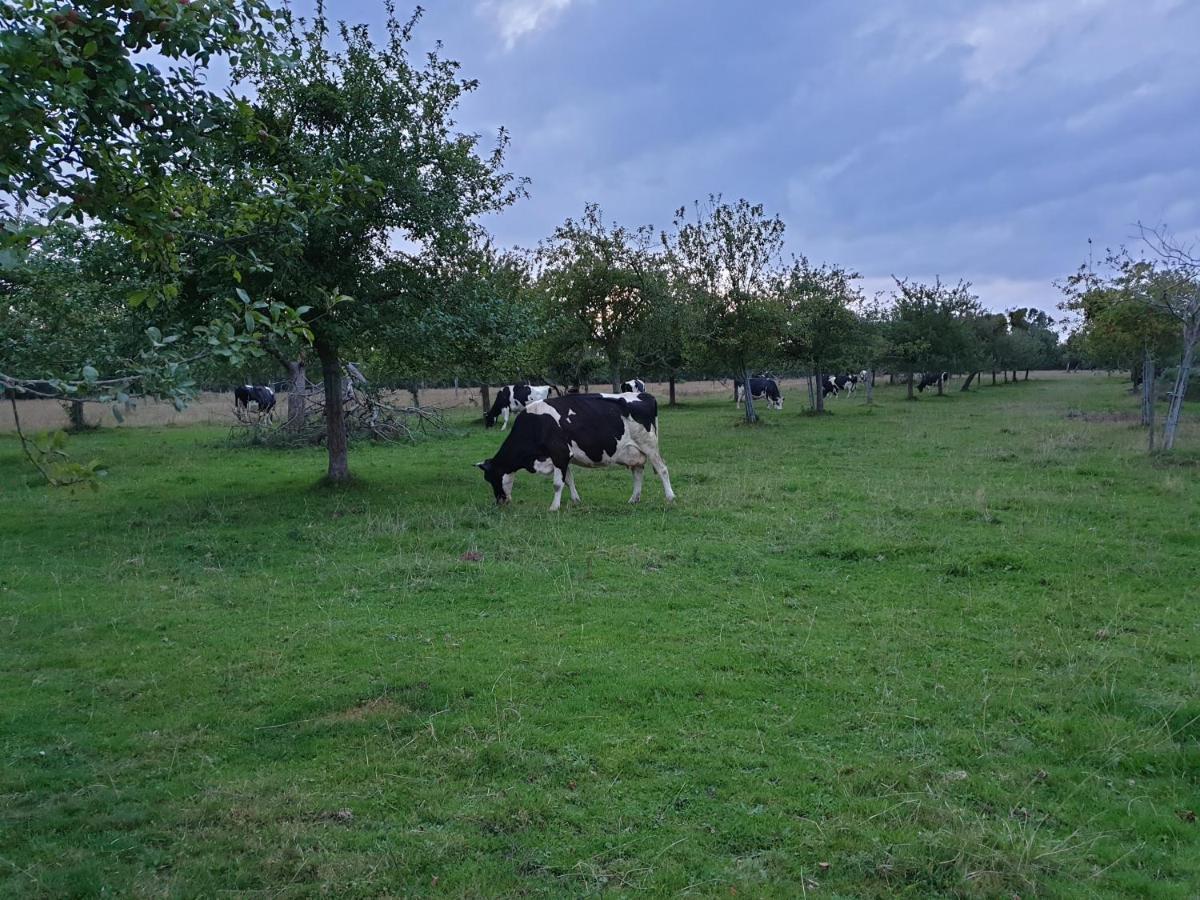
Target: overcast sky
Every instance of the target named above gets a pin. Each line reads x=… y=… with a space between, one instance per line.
x=960 y=138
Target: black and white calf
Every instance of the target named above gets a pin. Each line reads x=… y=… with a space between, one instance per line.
x=759 y=388
x=258 y=394
x=592 y=430
x=932 y=379
x=512 y=398
x=634 y=385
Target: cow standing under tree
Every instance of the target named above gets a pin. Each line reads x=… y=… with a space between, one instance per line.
x=591 y=430
x=759 y=388
x=931 y=379
x=512 y=398
x=258 y=394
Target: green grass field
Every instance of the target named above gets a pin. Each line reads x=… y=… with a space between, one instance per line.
x=945 y=648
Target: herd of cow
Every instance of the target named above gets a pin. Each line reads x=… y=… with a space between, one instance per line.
x=590 y=430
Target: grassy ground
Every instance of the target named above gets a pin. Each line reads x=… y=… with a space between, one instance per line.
x=940 y=648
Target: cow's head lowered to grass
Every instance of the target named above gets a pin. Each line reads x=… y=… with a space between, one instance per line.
x=501 y=484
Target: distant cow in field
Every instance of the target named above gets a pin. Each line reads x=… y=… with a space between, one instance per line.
x=512 y=398
x=591 y=430
x=634 y=385
x=759 y=388
x=841 y=383
x=258 y=394
x=932 y=379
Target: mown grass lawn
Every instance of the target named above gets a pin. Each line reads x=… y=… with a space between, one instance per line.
x=938 y=648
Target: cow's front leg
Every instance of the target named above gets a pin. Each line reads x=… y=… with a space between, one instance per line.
x=638 y=472
x=570 y=479
x=558 y=486
x=505 y=425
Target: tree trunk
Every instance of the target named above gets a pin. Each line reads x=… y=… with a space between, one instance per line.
x=297 y=405
x=413 y=389
x=1150 y=422
x=891 y=378
x=993 y=377
x=75 y=415
x=748 y=397
x=967 y=384
x=870 y=387
x=485 y=397
x=812 y=398
x=1014 y=376
x=819 y=378
x=1026 y=374
x=1181 y=385
x=940 y=393
x=671 y=390
x=735 y=388
x=1005 y=376
x=335 y=415
x=1147 y=388
x=911 y=379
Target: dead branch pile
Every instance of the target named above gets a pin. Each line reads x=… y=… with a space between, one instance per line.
x=368 y=413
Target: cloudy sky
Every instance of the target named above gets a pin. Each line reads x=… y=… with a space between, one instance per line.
x=981 y=139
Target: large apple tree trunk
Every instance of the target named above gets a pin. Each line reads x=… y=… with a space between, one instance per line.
x=335 y=414
x=297 y=404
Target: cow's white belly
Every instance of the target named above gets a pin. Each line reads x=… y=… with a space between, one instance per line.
x=627 y=454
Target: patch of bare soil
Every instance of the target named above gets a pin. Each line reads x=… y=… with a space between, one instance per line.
x=376 y=706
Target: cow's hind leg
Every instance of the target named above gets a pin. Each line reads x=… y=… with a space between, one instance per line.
x=638 y=473
x=660 y=469
x=570 y=479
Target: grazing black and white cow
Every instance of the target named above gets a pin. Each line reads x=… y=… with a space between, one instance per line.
x=259 y=394
x=634 y=385
x=759 y=388
x=841 y=383
x=512 y=398
x=590 y=430
x=932 y=379
x=829 y=386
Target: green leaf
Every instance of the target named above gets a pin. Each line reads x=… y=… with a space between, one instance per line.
x=89 y=49
x=242 y=295
x=90 y=374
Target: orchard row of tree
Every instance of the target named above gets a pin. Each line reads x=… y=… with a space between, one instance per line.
x=326 y=208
